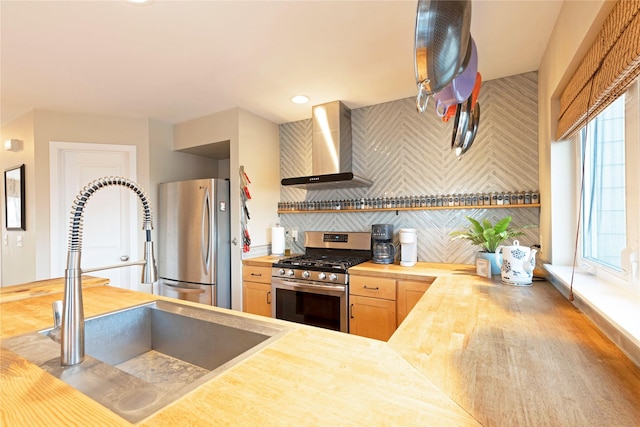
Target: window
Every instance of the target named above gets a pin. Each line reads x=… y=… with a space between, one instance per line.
x=610 y=209
x=604 y=211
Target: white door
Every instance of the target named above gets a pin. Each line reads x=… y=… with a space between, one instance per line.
x=110 y=225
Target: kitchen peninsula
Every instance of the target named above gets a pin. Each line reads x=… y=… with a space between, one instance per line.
x=471 y=352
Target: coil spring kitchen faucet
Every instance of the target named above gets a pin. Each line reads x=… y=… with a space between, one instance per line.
x=72 y=331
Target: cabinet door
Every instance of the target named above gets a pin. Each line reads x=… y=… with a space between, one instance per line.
x=372 y=317
x=256 y=298
x=409 y=293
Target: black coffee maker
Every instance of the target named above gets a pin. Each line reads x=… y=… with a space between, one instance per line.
x=383 y=251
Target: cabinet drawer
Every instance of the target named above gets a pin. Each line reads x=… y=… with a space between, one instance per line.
x=372 y=287
x=256 y=274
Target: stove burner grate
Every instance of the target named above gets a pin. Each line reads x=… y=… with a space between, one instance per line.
x=341 y=263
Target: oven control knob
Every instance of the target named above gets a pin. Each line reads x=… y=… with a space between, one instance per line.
x=290 y=273
x=306 y=275
x=281 y=272
x=333 y=277
x=322 y=276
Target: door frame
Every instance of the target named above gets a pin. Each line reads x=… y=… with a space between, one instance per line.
x=57 y=232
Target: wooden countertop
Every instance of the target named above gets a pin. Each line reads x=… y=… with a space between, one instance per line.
x=28 y=315
x=518 y=356
x=265 y=260
x=44 y=287
x=262 y=261
x=420 y=271
x=471 y=348
x=310 y=376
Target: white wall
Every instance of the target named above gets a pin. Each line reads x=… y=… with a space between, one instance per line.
x=18 y=262
x=575 y=29
x=86 y=128
x=168 y=165
x=152 y=139
x=254 y=143
x=38 y=128
x=259 y=153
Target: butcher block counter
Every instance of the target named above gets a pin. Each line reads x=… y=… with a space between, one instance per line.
x=43 y=287
x=471 y=352
x=518 y=356
x=421 y=271
x=262 y=261
x=310 y=376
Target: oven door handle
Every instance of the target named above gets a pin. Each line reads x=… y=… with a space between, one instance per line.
x=299 y=285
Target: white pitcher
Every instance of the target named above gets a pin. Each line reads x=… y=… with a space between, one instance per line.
x=516 y=264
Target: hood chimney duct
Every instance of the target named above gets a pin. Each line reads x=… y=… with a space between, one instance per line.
x=331 y=150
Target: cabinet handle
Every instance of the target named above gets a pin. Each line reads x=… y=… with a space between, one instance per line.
x=258 y=275
x=268 y=299
x=373 y=289
x=351 y=311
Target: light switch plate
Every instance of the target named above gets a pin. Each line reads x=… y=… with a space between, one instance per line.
x=5 y=240
x=19 y=239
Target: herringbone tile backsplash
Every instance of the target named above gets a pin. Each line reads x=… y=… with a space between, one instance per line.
x=406 y=153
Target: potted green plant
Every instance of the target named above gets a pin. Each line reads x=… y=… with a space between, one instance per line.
x=488 y=236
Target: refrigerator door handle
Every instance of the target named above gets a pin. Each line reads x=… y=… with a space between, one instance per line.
x=182 y=290
x=206 y=232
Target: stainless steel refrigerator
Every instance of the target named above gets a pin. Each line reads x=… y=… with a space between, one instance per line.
x=194 y=259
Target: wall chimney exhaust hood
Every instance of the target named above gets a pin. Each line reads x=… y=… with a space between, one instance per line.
x=330 y=151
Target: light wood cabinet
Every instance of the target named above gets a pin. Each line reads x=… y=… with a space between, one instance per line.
x=256 y=290
x=372 y=307
x=372 y=317
x=409 y=293
x=375 y=287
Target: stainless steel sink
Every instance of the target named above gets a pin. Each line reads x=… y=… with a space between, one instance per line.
x=145 y=357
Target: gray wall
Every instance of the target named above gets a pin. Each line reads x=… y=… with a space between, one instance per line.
x=406 y=153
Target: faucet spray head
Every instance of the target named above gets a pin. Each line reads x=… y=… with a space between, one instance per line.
x=149 y=270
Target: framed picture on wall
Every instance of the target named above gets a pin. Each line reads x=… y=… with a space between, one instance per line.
x=14 y=201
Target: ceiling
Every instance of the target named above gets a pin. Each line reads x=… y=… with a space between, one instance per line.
x=178 y=60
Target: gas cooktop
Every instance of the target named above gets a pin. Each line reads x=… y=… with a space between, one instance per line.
x=321 y=262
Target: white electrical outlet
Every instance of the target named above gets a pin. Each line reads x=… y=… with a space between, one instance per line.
x=294 y=234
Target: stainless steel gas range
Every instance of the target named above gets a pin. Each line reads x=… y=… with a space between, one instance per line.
x=314 y=288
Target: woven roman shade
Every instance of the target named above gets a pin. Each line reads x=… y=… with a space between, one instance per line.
x=609 y=67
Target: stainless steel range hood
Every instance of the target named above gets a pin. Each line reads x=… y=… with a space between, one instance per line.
x=330 y=151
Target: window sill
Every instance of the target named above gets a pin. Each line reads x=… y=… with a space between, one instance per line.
x=611 y=308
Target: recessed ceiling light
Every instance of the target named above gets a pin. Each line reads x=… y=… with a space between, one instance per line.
x=141 y=2
x=300 y=99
